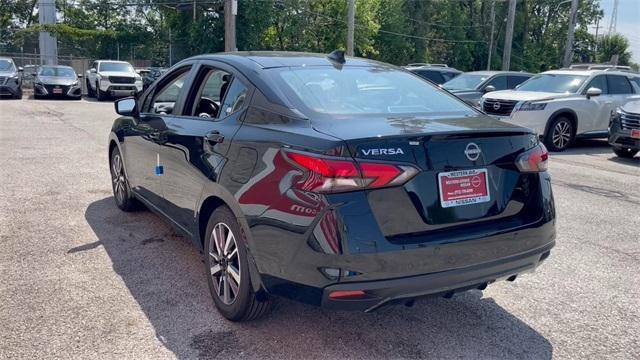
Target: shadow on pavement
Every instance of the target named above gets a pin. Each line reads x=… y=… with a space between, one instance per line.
x=587 y=147
x=165 y=275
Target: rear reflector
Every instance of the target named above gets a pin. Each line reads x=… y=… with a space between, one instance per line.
x=533 y=160
x=347 y=295
x=328 y=175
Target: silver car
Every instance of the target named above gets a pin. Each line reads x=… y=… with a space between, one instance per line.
x=10 y=78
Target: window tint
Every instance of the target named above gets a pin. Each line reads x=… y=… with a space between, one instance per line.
x=499 y=82
x=434 y=76
x=513 y=81
x=235 y=98
x=618 y=85
x=215 y=83
x=448 y=75
x=166 y=96
x=636 y=81
x=599 y=82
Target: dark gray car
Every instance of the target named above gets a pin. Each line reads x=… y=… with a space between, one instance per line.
x=10 y=78
x=56 y=81
x=470 y=86
x=624 y=130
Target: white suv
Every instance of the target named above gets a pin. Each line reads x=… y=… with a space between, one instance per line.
x=112 y=78
x=561 y=105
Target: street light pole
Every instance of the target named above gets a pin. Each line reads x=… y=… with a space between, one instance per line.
x=568 y=49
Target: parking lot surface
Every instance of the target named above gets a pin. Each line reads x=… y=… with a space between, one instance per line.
x=79 y=278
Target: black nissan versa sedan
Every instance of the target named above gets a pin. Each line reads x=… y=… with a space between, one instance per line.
x=344 y=183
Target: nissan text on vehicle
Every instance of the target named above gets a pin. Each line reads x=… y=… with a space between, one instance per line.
x=112 y=78
x=561 y=105
x=340 y=182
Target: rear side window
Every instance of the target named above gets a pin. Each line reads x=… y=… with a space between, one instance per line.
x=366 y=90
x=235 y=98
x=449 y=75
x=636 y=82
x=599 y=82
x=513 y=81
x=618 y=85
x=499 y=82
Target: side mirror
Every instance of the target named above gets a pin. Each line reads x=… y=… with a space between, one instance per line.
x=592 y=91
x=126 y=106
x=93 y=71
x=20 y=69
x=489 y=88
x=34 y=74
x=79 y=76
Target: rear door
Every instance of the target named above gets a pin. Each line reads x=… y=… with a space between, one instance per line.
x=515 y=80
x=197 y=141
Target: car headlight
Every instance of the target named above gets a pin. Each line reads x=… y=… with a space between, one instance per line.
x=75 y=83
x=531 y=106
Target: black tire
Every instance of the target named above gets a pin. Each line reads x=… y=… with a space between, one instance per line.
x=221 y=265
x=90 y=92
x=100 y=95
x=560 y=134
x=120 y=184
x=625 y=152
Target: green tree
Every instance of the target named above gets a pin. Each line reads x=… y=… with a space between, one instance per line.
x=615 y=44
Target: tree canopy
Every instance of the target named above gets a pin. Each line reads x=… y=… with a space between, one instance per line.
x=456 y=32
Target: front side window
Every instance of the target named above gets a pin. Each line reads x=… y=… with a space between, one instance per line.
x=121 y=67
x=366 y=90
x=599 y=82
x=618 y=84
x=555 y=83
x=499 y=82
x=165 y=97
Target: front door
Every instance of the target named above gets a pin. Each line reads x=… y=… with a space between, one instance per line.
x=196 y=143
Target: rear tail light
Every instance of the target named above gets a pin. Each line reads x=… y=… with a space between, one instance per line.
x=327 y=175
x=533 y=160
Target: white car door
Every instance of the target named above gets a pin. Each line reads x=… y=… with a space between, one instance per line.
x=598 y=119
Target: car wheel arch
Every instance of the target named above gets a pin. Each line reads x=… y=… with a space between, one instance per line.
x=207 y=206
x=569 y=114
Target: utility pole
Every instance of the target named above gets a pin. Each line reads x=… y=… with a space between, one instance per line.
x=170 y=49
x=493 y=22
x=508 y=36
x=351 y=18
x=595 y=52
x=568 y=49
x=48 y=44
x=230 y=12
x=194 y=10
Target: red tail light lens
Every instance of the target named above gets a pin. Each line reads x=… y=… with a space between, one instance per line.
x=533 y=160
x=336 y=174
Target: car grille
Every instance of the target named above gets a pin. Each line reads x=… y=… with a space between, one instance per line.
x=629 y=121
x=498 y=107
x=121 y=80
x=2 y=80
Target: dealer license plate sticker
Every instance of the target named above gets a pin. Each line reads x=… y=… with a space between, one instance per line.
x=57 y=90
x=463 y=187
x=635 y=133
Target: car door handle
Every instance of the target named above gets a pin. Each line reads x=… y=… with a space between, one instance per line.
x=214 y=137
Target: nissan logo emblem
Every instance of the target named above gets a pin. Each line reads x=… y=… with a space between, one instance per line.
x=496 y=106
x=472 y=151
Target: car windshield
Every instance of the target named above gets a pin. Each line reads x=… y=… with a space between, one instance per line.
x=555 y=83
x=7 y=65
x=57 y=71
x=109 y=66
x=367 y=90
x=465 y=82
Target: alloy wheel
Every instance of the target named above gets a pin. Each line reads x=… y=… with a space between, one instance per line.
x=117 y=176
x=561 y=134
x=224 y=263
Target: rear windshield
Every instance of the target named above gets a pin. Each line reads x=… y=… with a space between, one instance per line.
x=367 y=90
x=555 y=83
x=106 y=66
x=57 y=71
x=6 y=65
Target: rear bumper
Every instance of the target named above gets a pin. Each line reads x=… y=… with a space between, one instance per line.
x=445 y=283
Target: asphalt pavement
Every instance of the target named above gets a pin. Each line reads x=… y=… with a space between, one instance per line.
x=81 y=279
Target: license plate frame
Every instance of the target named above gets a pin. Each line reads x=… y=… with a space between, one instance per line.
x=463 y=187
x=57 y=91
x=635 y=133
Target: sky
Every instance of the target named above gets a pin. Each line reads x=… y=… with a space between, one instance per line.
x=628 y=23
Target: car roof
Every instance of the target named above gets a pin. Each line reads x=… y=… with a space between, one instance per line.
x=5 y=58
x=495 y=72
x=589 y=72
x=55 y=66
x=433 y=68
x=275 y=59
x=114 y=61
